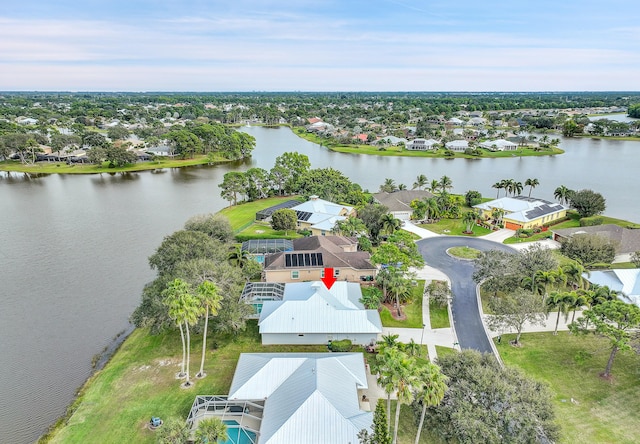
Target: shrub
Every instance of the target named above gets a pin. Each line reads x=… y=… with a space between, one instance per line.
x=591 y=221
x=340 y=346
x=589 y=249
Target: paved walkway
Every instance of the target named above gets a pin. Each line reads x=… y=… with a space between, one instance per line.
x=422 y=232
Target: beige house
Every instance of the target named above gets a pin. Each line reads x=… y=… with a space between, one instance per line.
x=399 y=202
x=311 y=255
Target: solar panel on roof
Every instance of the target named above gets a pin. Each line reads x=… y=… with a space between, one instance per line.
x=303 y=215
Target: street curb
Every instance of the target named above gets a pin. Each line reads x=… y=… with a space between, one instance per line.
x=486 y=330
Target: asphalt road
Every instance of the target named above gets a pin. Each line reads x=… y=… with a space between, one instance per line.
x=464 y=307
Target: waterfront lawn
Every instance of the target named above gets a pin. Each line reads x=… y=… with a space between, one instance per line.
x=242 y=215
x=63 y=168
x=454 y=227
x=118 y=401
x=604 y=411
x=439 y=316
x=412 y=310
x=262 y=230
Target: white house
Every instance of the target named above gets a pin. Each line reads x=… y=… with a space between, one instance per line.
x=626 y=281
x=309 y=313
x=284 y=398
x=499 y=145
x=457 y=145
x=320 y=216
x=421 y=144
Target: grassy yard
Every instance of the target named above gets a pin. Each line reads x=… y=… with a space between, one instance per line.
x=464 y=252
x=443 y=351
x=439 y=316
x=454 y=227
x=63 y=168
x=262 y=230
x=412 y=309
x=117 y=402
x=603 y=411
x=243 y=214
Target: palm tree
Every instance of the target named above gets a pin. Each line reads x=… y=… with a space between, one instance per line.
x=546 y=278
x=508 y=186
x=561 y=301
x=601 y=293
x=389 y=223
x=412 y=348
x=389 y=341
x=531 y=183
x=421 y=181
x=469 y=219
x=239 y=257
x=430 y=390
x=574 y=272
x=388 y=186
x=385 y=363
x=434 y=186
x=432 y=210
x=207 y=293
x=498 y=186
x=581 y=299
x=445 y=184
x=497 y=214
x=563 y=194
x=173 y=431
x=351 y=226
x=399 y=285
x=175 y=297
x=517 y=188
x=211 y=430
x=404 y=377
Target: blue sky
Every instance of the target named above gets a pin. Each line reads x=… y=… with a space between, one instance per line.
x=334 y=45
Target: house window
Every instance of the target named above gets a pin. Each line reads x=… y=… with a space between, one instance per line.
x=295 y=274
x=336 y=272
x=322 y=274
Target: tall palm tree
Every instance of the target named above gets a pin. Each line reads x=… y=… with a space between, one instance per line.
x=210 y=298
x=498 y=186
x=404 y=377
x=384 y=365
x=432 y=210
x=433 y=187
x=211 y=430
x=574 y=272
x=399 y=285
x=531 y=183
x=421 y=182
x=563 y=194
x=561 y=301
x=388 y=186
x=546 y=279
x=430 y=390
x=239 y=257
x=517 y=188
x=402 y=187
x=445 y=184
x=581 y=299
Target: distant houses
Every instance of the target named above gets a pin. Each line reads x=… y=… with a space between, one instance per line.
x=422 y=144
x=499 y=145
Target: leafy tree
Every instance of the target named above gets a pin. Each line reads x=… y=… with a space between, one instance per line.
x=211 y=430
x=173 y=431
x=430 y=389
x=94 y=140
x=182 y=246
x=589 y=248
x=284 y=219
x=371 y=216
x=497 y=270
x=534 y=259
x=350 y=226
x=570 y=128
x=587 y=203
x=216 y=226
x=635 y=258
x=185 y=143
x=516 y=309
x=439 y=293
x=329 y=184
x=210 y=299
x=117 y=132
x=472 y=198
x=615 y=320
x=258 y=183
x=293 y=165
x=119 y=156
x=634 y=110
x=233 y=183
x=488 y=404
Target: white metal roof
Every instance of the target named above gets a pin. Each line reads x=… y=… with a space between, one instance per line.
x=310 y=397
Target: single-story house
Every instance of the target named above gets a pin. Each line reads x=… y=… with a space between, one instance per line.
x=499 y=145
x=626 y=281
x=311 y=255
x=627 y=240
x=391 y=140
x=477 y=121
x=320 y=216
x=422 y=144
x=523 y=211
x=309 y=313
x=455 y=121
x=399 y=202
x=457 y=145
x=283 y=398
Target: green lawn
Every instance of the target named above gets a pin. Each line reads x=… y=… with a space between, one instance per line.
x=439 y=316
x=443 y=351
x=454 y=227
x=412 y=309
x=262 y=230
x=243 y=214
x=117 y=402
x=603 y=411
x=63 y=168
x=464 y=252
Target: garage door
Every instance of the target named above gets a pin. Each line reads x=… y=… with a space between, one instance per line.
x=512 y=226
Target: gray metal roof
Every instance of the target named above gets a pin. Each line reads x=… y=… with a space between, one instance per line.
x=310 y=397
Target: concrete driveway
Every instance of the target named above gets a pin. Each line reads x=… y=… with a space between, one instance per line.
x=467 y=322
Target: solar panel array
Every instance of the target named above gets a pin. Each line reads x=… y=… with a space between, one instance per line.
x=303 y=215
x=303 y=260
x=542 y=210
x=263 y=214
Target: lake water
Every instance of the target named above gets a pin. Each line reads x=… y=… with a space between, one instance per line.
x=73 y=249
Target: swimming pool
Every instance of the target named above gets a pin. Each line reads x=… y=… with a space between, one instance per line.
x=238 y=435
